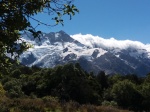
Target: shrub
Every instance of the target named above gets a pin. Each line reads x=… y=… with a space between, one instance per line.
x=2 y=91
x=109 y=103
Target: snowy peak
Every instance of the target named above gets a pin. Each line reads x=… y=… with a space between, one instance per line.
x=92 y=52
x=47 y=39
x=60 y=36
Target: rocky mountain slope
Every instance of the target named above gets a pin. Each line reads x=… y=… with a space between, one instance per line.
x=93 y=53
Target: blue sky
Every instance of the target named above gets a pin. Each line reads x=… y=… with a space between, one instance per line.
x=121 y=19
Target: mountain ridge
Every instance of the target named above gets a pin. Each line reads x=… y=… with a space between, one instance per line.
x=92 y=52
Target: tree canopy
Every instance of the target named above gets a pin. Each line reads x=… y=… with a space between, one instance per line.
x=70 y=82
x=15 y=16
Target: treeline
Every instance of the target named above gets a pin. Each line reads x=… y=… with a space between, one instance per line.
x=71 y=83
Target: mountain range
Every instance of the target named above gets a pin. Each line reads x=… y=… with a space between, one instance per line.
x=92 y=52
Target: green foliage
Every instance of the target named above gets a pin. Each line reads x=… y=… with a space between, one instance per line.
x=15 y=19
x=115 y=78
x=2 y=91
x=126 y=94
x=69 y=83
x=133 y=78
x=102 y=79
x=1 y=75
x=147 y=79
x=109 y=103
x=16 y=73
x=145 y=91
x=13 y=88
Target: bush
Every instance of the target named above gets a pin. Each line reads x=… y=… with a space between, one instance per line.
x=2 y=91
x=109 y=103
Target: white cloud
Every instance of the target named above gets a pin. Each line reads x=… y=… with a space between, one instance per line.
x=91 y=41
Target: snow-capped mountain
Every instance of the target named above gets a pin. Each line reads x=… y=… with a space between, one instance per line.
x=92 y=52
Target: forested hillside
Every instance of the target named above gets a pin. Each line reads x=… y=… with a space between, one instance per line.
x=37 y=89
